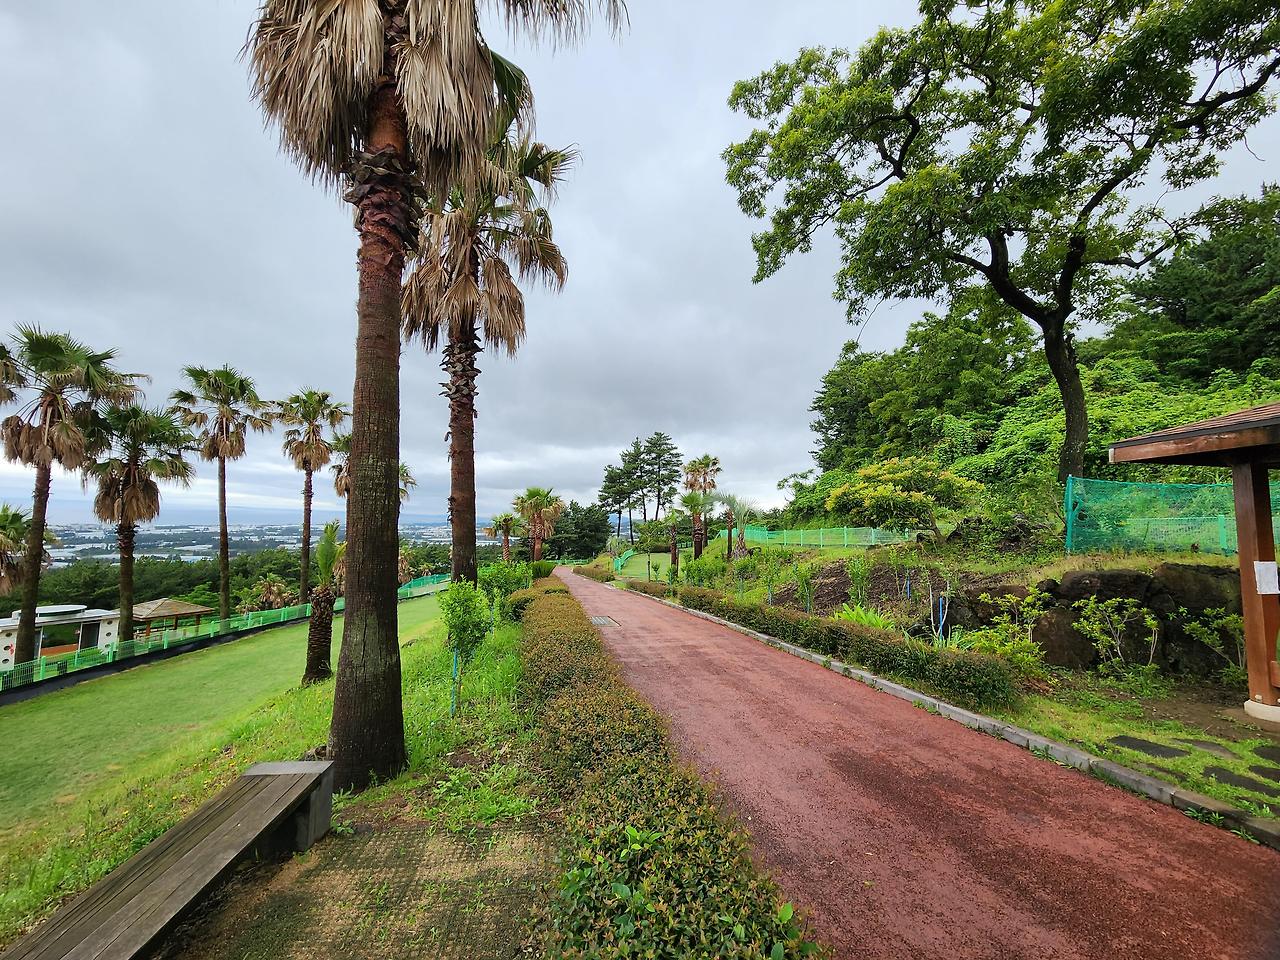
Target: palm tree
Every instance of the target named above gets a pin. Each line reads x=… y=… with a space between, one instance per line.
x=69 y=385
x=141 y=446
x=394 y=98
x=503 y=525
x=405 y=482
x=14 y=528
x=341 y=449
x=700 y=476
x=539 y=508
x=463 y=291
x=308 y=415
x=320 y=627
x=674 y=517
x=739 y=512
x=222 y=406
x=697 y=504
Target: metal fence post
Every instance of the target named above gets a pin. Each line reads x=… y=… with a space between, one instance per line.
x=1066 y=507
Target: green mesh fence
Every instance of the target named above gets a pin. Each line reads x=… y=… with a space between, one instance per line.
x=46 y=667
x=823 y=537
x=1108 y=516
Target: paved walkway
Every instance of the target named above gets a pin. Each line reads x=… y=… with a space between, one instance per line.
x=905 y=835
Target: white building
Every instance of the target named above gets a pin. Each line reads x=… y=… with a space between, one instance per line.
x=62 y=630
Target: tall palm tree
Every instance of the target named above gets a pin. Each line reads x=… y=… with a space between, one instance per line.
x=394 y=98
x=15 y=525
x=697 y=505
x=463 y=291
x=539 y=508
x=320 y=627
x=309 y=415
x=68 y=386
x=674 y=517
x=221 y=406
x=141 y=447
x=700 y=476
x=739 y=511
x=503 y=525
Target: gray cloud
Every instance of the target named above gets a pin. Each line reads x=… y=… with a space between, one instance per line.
x=146 y=208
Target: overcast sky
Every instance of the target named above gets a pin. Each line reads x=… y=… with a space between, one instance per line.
x=145 y=208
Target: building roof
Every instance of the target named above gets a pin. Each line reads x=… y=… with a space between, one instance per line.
x=166 y=609
x=1247 y=436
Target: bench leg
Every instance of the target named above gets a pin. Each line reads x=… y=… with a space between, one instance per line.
x=312 y=820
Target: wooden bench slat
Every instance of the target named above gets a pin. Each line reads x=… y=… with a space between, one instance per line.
x=143 y=917
x=128 y=909
x=139 y=869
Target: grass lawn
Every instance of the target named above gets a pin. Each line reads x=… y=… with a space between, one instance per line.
x=143 y=748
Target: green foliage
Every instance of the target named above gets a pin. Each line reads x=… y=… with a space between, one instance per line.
x=803 y=574
x=865 y=617
x=1122 y=630
x=1223 y=633
x=967 y=678
x=541 y=569
x=603 y=574
x=899 y=494
x=498 y=581
x=466 y=617
x=1011 y=633
x=653 y=588
x=580 y=532
x=706 y=571
x=652 y=865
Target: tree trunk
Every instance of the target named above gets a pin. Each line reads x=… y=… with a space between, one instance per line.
x=506 y=547
x=728 y=540
x=126 y=534
x=537 y=549
x=675 y=551
x=699 y=535
x=25 y=647
x=319 y=637
x=366 y=735
x=224 y=548
x=304 y=580
x=1061 y=355
x=460 y=365
x=619 y=534
x=631 y=527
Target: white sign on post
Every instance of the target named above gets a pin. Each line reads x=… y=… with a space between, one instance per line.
x=1268 y=578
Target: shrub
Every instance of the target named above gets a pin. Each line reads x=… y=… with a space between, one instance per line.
x=865 y=617
x=466 y=616
x=601 y=574
x=653 y=588
x=706 y=571
x=652 y=867
x=514 y=606
x=541 y=569
x=498 y=581
x=967 y=678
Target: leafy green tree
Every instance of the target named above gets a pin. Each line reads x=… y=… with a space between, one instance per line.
x=580 y=534
x=221 y=405
x=663 y=467
x=615 y=495
x=1215 y=303
x=310 y=418
x=634 y=482
x=66 y=386
x=900 y=494
x=138 y=448
x=1002 y=143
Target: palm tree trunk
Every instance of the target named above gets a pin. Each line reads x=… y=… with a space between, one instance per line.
x=25 y=646
x=698 y=535
x=319 y=637
x=304 y=589
x=224 y=548
x=675 y=550
x=537 y=548
x=506 y=547
x=126 y=534
x=460 y=365
x=728 y=540
x=366 y=734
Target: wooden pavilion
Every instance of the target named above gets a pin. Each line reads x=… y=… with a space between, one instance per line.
x=1249 y=443
x=153 y=614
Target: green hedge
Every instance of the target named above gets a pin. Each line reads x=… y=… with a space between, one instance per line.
x=542 y=569
x=974 y=680
x=652 y=587
x=595 y=573
x=653 y=868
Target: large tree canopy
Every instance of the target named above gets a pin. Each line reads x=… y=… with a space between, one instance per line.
x=1003 y=142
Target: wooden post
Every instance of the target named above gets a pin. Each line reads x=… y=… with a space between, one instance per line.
x=1256 y=540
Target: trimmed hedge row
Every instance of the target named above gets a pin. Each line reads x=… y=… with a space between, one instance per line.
x=594 y=573
x=969 y=679
x=653 y=868
x=651 y=587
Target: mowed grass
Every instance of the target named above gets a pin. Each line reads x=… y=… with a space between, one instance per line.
x=59 y=849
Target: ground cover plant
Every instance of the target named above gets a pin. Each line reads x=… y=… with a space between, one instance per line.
x=140 y=793
x=652 y=867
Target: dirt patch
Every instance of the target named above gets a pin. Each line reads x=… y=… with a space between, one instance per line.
x=1214 y=709
x=400 y=891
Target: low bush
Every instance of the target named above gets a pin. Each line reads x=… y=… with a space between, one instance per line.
x=514 y=606
x=601 y=574
x=967 y=678
x=541 y=569
x=652 y=866
x=652 y=587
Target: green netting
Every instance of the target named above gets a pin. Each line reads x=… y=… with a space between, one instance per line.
x=1109 y=516
x=823 y=537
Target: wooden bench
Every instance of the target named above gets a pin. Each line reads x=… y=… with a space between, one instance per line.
x=272 y=809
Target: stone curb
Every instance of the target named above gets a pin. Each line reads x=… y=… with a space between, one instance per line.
x=1266 y=831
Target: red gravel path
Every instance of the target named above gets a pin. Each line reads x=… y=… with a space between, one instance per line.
x=902 y=834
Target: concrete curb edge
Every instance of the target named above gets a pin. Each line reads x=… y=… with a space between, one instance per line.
x=1266 y=831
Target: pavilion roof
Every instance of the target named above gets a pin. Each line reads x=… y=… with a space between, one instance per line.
x=166 y=609
x=1247 y=436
